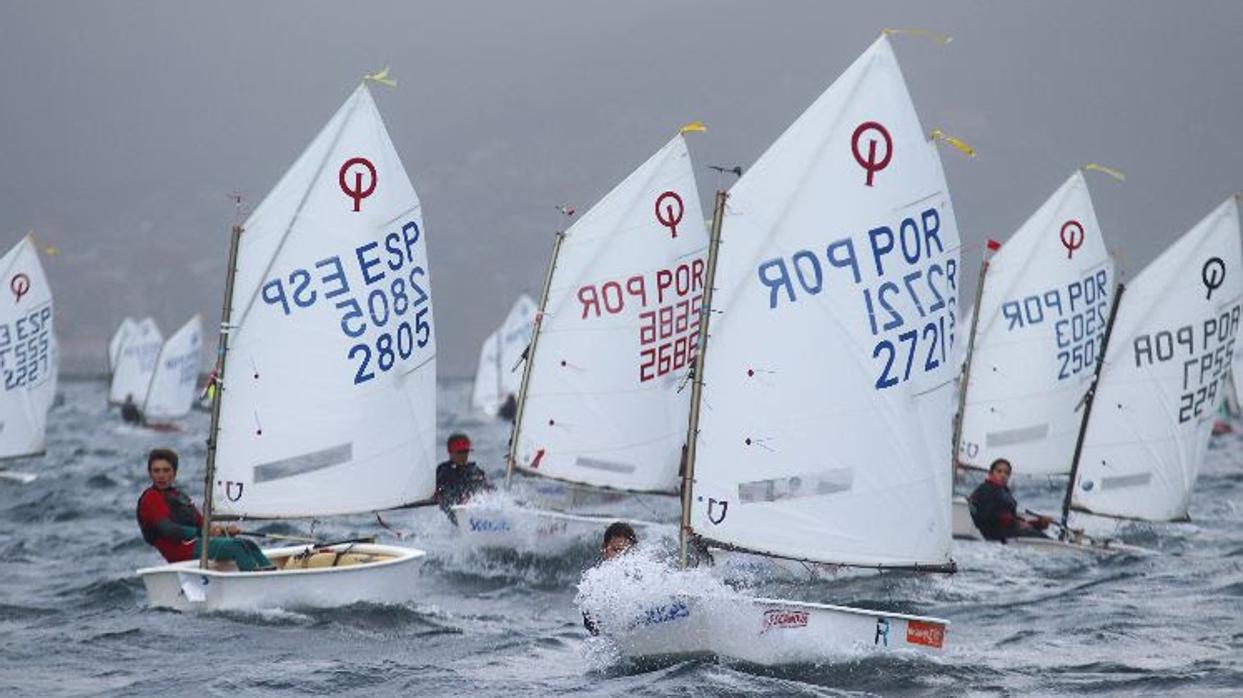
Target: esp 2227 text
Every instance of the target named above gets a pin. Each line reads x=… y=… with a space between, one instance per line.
x=25 y=348
x=907 y=283
x=387 y=298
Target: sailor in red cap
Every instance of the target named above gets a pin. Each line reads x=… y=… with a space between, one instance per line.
x=458 y=478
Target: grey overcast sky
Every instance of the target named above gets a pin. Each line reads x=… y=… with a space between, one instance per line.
x=125 y=124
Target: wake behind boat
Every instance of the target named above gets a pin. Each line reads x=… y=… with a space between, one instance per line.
x=325 y=400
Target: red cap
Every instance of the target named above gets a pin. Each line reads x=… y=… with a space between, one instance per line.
x=459 y=443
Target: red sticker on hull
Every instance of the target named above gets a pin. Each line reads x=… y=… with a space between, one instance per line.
x=928 y=634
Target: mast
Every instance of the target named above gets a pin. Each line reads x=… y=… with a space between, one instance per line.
x=214 y=432
x=530 y=359
x=692 y=428
x=1087 y=408
x=966 y=368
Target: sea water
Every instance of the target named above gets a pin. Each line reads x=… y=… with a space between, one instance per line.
x=74 y=618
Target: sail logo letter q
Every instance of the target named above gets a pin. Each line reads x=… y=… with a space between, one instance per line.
x=358 y=192
x=871 y=164
x=670 y=216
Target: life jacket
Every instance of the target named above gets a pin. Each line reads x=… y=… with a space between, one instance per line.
x=154 y=506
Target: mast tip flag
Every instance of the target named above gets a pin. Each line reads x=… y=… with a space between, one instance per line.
x=381 y=77
x=693 y=127
x=1094 y=167
x=939 y=135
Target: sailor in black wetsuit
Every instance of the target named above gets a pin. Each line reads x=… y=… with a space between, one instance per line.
x=995 y=512
x=457 y=478
x=130 y=413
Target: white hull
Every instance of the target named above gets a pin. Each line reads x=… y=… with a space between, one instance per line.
x=539 y=531
x=388 y=580
x=964 y=529
x=771 y=631
x=18 y=476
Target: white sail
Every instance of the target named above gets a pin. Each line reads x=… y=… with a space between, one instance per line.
x=1164 y=376
x=28 y=356
x=329 y=397
x=829 y=380
x=118 y=340
x=136 y=362
x=171 y=391
x=485 y=395
x=500 y=374
x=603 y=404
x=1042 y=317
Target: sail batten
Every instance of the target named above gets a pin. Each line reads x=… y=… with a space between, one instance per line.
x=328 y=402
x=602 y=406
x=828 y=390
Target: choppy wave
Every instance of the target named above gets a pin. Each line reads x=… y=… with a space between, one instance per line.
x=74 y=618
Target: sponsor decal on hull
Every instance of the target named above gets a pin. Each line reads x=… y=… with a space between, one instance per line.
x=928 y=634
x=781 y=618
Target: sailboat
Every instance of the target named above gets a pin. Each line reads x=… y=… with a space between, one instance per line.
x=497 y=379
x=601 y=403
x=127 y=326
x=1165 y=374
x=28 y=356
x=171 y=390
x=822 y=401
x=1033 y=342
x=135 y=362
x=327 y=375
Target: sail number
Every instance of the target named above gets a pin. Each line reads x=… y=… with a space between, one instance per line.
x=667 y=302
x=1205 y=351
x=385 y=310
x=1078 y=312
x=25 y=349
x=907 y=283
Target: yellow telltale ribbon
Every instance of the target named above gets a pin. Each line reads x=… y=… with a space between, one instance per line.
x=45 y=249
x=962 y=147
x=1093 y=167
x=939 y=38
x=381 y=77
x=693 y=127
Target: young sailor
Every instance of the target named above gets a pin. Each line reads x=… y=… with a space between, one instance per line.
x=457 y=478
x=171 y=523
x=995 y=512
x=130 y=413
x=619 y=538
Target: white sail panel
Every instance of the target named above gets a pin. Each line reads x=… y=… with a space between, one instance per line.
x=329 y=398
x=515 y=335
x=1043 y=312
x=603 y=405
x=1164 y=376
x=829 y=380
x=499 y=374
x=136 y=362
x=171 y=391
x=486 y=394
x=28 y=357
x=118 y=340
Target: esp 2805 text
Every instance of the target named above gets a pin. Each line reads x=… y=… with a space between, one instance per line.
x=391 y=302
